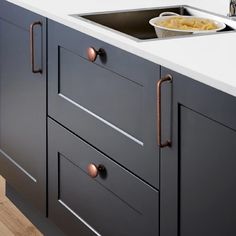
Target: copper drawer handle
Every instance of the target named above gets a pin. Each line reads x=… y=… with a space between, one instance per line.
x=32 y=54
x=167 y=143
x=92 y=53
x=94 y=170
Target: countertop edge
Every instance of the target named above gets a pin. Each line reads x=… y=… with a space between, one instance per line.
x=129 y=46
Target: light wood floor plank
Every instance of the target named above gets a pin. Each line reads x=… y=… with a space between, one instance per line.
x=12 y=221
x=4 y=230
x=2 y=187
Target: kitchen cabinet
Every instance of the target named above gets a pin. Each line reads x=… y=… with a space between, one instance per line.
x=114 y=202
x=23 y=102
x=111 y=103
x=161 y=153
x=198 y=170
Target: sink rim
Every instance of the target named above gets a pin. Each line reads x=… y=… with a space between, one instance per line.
x=225 y=19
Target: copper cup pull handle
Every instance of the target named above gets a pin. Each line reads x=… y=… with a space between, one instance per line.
x=167 y=143
x=32 y=54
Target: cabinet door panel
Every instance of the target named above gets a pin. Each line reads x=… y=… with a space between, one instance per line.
x=22 y=104
x=114 y=203
x=207 y=176
x=112 y=107
x=198 y=171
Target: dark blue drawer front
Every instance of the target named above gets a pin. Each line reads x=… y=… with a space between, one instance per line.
x=110 y=105
x=114 y=203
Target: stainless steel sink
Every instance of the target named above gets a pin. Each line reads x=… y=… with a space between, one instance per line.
x=135 y=23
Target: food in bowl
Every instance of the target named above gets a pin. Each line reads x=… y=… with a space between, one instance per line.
x=183 y=25
x=187 y=23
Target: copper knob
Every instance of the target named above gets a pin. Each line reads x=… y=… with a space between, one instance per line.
x=94 y=170
x=92 y=54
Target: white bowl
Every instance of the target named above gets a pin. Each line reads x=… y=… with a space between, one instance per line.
x=163 y=32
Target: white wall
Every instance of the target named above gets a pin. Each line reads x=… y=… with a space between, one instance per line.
x=218 y=6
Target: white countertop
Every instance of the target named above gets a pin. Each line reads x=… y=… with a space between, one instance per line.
x=208 y=59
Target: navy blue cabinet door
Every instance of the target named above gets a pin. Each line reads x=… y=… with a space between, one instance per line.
x=23 y=103
x=198 y=172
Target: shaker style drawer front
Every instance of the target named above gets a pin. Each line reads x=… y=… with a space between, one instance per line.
x=97 y=199
x=108 y=104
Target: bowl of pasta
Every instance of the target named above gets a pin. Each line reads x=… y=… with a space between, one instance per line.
x=170 y=24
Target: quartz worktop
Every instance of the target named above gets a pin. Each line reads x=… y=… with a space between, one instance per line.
x=208 y=59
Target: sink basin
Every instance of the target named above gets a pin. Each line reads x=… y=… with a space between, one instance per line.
x=135 y=23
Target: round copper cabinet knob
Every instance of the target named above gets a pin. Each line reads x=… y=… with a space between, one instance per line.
x=94 y=170
x=92 y=54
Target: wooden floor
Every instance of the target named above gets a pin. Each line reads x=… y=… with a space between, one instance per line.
x=12 y=221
